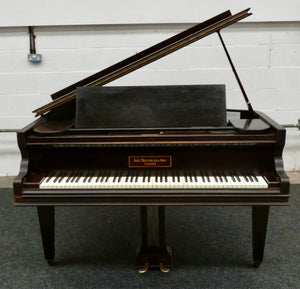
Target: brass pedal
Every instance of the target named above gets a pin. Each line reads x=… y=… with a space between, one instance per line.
x=144 y=269
x=163 y=268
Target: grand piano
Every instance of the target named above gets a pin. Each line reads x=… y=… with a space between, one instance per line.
x=152 y=146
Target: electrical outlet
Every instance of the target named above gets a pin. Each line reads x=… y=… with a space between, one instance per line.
x=35 y=58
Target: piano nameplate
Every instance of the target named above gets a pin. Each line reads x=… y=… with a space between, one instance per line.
x=149 y=161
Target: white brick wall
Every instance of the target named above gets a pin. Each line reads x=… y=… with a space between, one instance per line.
x=266 y=55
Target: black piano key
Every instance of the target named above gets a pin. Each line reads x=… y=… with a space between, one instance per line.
x=178 y=176
x=57 y=177
x=90 y=176
x=251 y=179
x=77 y=178
x=207 y=177
x=86 y=176
x=115 y=177
x=130 y=177
x=195 y=176
x=120 y=176
x=173 y=176
x=202 y=176
x=127 y=176
x=106 y=177
x=255 y=178
x=246 y=178
x=132 y=174
x=61 y=178
x=74 y=175
x=191 y=177
x=186 y=176
x=232 y=176
x=136 y=176
x=158 y=176
x=69 y=177
x=50 y=176
x=215 y=177
x=99 y=176
x=149 y=176
x=161 y=176
x=165 y=176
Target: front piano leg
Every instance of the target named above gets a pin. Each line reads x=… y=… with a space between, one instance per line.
x=46 y=216
x=260 y=216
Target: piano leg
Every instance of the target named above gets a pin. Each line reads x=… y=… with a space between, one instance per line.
x=155 y=256
x=144 y=229
x=260 y=216
x=46 y=219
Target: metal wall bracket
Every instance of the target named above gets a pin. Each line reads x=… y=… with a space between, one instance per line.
x=33 y=57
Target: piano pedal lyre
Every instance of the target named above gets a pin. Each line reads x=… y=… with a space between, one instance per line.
x=157 y=255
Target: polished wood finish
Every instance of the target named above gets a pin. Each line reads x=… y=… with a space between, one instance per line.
x=260 y=216
x=46 y=216
x=51 y=143
x=215 y=149
x=220 y=148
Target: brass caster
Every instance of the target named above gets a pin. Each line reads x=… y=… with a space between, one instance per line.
x=144 y=269
x=163 y=268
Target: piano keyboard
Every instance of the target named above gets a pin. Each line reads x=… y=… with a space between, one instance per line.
x=137 y=179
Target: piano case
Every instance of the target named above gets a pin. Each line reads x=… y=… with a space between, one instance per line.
x=151 y=106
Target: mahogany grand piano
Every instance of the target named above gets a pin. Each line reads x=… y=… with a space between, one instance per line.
x=151 y=146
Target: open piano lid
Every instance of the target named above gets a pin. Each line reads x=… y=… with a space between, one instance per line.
x=145 y=57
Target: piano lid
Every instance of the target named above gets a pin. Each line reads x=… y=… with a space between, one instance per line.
x=145 y=57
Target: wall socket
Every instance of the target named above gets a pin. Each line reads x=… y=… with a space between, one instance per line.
x=35 y=58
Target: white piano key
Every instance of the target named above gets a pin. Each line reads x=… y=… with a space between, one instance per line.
x=51 y=183
x=262 y=183
x=143 y=180
x=62 y=184
x=43 y=182
x=211 y=183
